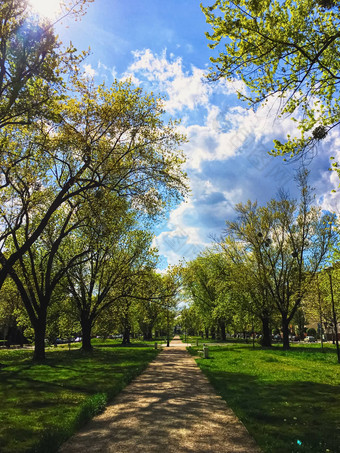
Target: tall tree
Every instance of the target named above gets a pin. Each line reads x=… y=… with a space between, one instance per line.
x=287 y=49
x=32 y=68
x=149 y=292
x=249 y=282
x=290 y=241
x=118 y=255
x=38 y=272
x=113 y=139
x=206 y=280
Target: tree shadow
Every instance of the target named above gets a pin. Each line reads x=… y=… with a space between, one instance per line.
x=283 y=416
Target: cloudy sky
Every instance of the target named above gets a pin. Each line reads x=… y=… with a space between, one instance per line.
x=161 y=45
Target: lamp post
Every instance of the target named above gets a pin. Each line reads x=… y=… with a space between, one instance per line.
x=335 y=321
x=320 y=309
x=167 y=326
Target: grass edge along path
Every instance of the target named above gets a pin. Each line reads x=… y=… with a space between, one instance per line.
x=289 y=401
x=42 y=405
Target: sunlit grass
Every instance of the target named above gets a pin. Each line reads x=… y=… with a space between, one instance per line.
x=43 y=404
x=288 y=400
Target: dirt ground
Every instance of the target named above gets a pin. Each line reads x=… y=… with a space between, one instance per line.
x=171 y=407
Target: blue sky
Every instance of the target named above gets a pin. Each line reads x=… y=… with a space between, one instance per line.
x=162 y=46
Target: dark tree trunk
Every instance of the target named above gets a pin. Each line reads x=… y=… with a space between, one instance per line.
x=266 y=340
x=39 y=339
x=213 y=333
x=10 y=337
x=126 y=335
x=223 y=334
x=147 y=334
x=86 y=328
x=285 y=331
x=206 y=332
x=21 y=338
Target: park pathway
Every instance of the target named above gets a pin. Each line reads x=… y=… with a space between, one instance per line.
x=171 y=407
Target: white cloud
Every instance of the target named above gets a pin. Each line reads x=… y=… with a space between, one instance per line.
x=89 y=71
x=227 y=152
x=330 y=199
x=184 y=89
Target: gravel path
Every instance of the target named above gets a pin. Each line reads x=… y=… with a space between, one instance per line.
x=169 y=408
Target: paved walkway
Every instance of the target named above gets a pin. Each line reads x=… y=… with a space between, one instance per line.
x=171 y=407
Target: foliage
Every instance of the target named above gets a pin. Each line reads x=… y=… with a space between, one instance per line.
x=264 y=268
x=289 y=242
x=206 y=282
x=300 y=320
x=283 y=49
x=110 y=144
x=118 y=255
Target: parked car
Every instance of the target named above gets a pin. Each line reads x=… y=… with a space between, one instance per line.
x=310 y=339
x=77 y=340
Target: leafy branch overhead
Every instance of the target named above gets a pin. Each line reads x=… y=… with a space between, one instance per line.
x=283 y=49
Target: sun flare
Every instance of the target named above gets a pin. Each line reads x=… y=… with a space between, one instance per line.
x=46 y=8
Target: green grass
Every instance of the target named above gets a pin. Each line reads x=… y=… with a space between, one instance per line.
x=288 y=400
x=201 y=341
x=43 y=404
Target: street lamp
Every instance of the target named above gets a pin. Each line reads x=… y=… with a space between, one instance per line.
x=335 y=322
x=167 y=326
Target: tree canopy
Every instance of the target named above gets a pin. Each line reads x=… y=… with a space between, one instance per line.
x=285 y=49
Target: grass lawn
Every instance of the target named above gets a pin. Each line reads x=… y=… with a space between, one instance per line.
x=288 y=400
x=43 y=404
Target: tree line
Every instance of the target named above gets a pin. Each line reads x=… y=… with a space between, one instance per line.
x=278 y=263
x=84 y=170
x=270 y=266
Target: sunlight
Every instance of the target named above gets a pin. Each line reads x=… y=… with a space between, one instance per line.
x=46 y=8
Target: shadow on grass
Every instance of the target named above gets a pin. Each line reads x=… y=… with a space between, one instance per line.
x=43 y=404
x=119 y=345
x=283 y=417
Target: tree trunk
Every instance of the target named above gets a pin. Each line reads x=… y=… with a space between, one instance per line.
x=223 y=334
x=266 y=340
x=9 y=340
x=39 y=339
x=126 y=335
x=206 y=332
x=86 y=327
x=21 y=338
x=285 y=331
x=213 y=333
x=147 y=334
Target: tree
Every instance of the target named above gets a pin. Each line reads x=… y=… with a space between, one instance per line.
x=149 y=293
x=113 y=139
x=32 y=62
x=301 y=321
x=29 y=65
x=38 y=272
x=10 y=310
x=191 y=321
x=290 y=242
x=287 y=49
x=250 y=286
x=206 y=280
x=111 y=143
x=201 y=290
x=117 y=257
